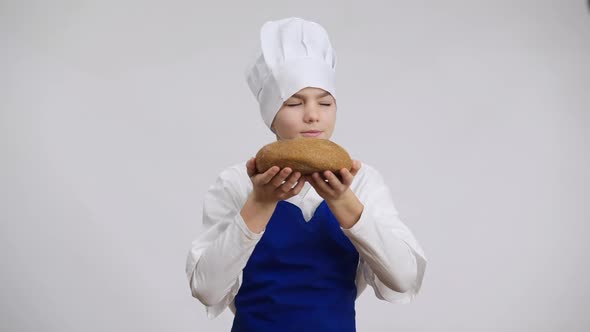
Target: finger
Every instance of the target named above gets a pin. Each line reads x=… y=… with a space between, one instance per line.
x=288 y=185
x=251 y=167
x=356 y=166
x=309 y=178
x=347 y=177
x=320 y=183
x=298 y=187
x=279 y=179
x=267 y=176
x=333 y=181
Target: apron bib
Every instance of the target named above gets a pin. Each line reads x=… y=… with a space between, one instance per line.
x=300 y=276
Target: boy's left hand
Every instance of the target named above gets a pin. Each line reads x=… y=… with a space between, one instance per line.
x=329 y=186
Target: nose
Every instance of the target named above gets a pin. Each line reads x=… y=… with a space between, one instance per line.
x=312 y=113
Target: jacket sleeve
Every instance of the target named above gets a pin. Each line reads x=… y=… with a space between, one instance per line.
x=217 y=257
x=391 y=259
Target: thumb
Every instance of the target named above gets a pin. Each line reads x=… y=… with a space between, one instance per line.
x=356 y=165
x=251 y=167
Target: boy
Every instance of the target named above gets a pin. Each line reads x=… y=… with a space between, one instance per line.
x=292 y=253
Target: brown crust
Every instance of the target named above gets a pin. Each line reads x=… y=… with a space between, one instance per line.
x=303 y=154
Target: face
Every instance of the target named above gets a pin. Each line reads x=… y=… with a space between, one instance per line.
x=311 y=112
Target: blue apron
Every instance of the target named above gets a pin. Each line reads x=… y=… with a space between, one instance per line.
x=300 y=276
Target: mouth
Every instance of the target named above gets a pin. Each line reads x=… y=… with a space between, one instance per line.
x=311 y=133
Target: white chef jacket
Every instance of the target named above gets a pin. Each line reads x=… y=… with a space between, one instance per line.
x=387 y=248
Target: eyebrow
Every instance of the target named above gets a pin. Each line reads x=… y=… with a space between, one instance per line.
x=320 y=95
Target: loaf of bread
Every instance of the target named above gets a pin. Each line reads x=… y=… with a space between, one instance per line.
x=305 y=155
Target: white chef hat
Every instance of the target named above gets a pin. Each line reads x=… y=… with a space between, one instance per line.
x=295 y=54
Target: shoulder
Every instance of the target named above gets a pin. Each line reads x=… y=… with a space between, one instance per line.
x=234 y=173
x=368 y=183
x=366 y=175
x=233 y=180
x=367 y=170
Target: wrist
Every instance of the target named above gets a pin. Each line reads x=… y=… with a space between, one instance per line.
x=346 y=209
x=260 y=202
x=346 y=198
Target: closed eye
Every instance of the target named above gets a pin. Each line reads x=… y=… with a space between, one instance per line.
x=293 y=105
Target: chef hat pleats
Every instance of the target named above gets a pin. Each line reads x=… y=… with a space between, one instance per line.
x=295 y=54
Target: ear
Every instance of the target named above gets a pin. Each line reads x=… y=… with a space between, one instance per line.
x=272 y=125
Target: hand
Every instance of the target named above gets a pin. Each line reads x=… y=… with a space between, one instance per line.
x=274 y=184
x=329 y=186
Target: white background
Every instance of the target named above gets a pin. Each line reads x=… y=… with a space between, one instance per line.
x=116 y=116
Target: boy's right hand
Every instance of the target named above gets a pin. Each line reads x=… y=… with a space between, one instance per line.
x=274 y=184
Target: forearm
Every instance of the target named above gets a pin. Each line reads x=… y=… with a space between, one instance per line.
x=220 y=264
x=347 y=210
x=256 y=214
x=388 y=256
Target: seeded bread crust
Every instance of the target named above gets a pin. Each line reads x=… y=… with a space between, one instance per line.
x=305 y=155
